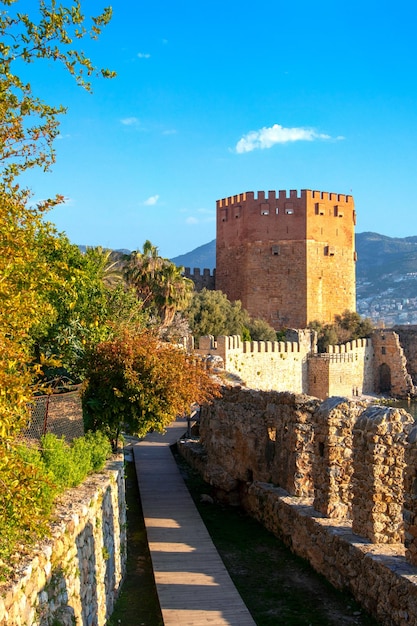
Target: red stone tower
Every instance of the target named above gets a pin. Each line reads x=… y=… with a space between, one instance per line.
x=290 y=259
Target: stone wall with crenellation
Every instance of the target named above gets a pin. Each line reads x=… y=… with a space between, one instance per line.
x=353 y=369
x=335 y=480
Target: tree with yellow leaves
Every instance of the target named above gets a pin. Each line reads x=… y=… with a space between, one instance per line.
x=28 y=127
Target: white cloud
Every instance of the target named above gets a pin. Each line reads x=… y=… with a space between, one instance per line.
x=199 y=216
x=144 y=55
x=152 y=200
x=130 y=121
x=268 y=137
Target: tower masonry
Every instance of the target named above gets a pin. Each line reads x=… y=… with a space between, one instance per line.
x=288 y=257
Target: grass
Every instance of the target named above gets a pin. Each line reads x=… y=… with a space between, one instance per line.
x=277 y=587
x=138 y=603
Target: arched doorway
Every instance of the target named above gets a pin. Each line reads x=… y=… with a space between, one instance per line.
x=384 y=378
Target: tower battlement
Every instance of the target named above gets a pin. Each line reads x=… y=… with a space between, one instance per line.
x=273 y=196
x=288 y=256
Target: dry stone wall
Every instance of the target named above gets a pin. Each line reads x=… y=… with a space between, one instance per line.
x=266 y=437
x=333 y=456
x=408 y=341
x=336 y=481
x=379 y=438
x=74 y=578
x=390 y=364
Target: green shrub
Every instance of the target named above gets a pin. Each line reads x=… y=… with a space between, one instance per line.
x=26 y=501
x=31 y=480
x=69 y=464
x=100 y=449
x=55 y=454
x=79 y=461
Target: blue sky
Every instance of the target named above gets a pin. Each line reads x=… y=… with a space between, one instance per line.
x=216 y=98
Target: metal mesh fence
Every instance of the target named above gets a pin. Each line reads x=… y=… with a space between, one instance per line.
x=58 y=413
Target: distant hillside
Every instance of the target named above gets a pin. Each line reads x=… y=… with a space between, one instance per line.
x=380 y=256
x=203 y=257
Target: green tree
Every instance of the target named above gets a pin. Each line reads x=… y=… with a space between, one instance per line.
x=260 y=330
x=211 y=313
x=353 y=324
x=172 y=292
x=346 y=327
x=28 y=127
x=89 y=302
x=138 y=383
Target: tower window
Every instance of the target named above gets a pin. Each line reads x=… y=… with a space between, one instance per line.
x=276 y=250
x=319 y=208
x=264 y=209
x=289 y=211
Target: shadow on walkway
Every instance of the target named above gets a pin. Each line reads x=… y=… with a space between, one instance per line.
x=192 y=582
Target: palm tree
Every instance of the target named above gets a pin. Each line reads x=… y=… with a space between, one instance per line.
x=173 y=292
x=141 y=270
x=106 y=265
x=158 y=282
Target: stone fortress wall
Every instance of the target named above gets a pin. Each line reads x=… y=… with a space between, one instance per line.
x=335 y=480
x=205 y=280
x=362 y=366
x=74 y=577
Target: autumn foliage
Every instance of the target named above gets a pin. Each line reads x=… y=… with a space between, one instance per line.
x=137 y=383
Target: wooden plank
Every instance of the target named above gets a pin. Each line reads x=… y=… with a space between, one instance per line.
x=193 y=585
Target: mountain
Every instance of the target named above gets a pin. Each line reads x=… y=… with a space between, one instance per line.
x=380 y=256
x=202 y=257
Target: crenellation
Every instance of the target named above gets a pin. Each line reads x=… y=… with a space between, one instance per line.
x=336 y=481
x=205 y=280
x=207 y=343
x=246 y=347
x=273 y=196
x=350 y=369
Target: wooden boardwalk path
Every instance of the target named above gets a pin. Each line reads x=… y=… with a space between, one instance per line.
x=193 y=585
